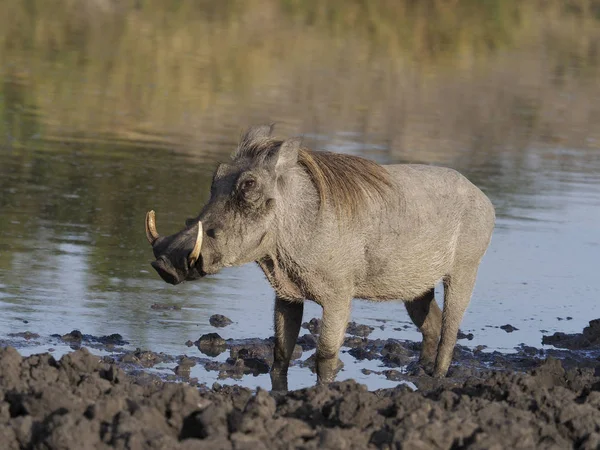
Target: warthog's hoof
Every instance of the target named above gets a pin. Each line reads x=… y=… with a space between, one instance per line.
x=279 y=382
x=420 y=368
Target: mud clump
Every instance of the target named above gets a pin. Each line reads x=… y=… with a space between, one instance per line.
x=463 y=335
x=219 y=320
x=313 y=326
x=236 y=368
x=165 y=307
x=360 y=330
x=307 y=342
x=83 y=402
x=508 y=328
x=27 y=335
x=184 y=367
x=257 y=348
x=588 y=339
x=247 y=357
x=211 y=344
x=144 y=358
x=76 y=339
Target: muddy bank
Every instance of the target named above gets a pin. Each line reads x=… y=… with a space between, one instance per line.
x=83 y=402
x=396 y=360
x=534 y=398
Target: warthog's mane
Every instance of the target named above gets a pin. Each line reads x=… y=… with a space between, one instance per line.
x=346 y=182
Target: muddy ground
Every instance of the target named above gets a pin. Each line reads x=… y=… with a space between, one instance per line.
x=531 y=399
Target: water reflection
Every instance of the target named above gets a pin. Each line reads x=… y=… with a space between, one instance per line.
x=98 y=125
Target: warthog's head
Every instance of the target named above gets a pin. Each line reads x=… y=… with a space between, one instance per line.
x=236 y=226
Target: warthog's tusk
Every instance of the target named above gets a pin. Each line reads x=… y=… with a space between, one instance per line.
x=151 y=232
x=195 y=254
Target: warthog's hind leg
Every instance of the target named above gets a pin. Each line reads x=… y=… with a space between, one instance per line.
x=427 y=316
x=288 y=318
x=458 y=288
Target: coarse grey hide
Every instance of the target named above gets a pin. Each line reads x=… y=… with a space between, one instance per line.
x=329 y=227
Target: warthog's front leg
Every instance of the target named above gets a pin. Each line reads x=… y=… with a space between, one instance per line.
x=333 y=328
x=427 y=316
x=288 y=318
x=458 y=288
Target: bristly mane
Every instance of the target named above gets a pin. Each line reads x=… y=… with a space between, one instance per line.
x=346 y=182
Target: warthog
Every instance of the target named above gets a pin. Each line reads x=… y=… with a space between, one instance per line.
x=331 y=227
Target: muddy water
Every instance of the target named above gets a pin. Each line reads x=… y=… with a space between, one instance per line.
x=84 y=154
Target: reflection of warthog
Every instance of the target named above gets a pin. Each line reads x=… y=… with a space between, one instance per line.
x=329 y=227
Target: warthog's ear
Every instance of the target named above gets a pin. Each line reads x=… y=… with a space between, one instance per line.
x=256 y=134
x=286 y=155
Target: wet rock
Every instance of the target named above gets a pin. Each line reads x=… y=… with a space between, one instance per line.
x=144 y=358
x=76 y=338
x=528 y=350
x=211 y=344
x=396 y=355
x=27 y=335
x=185 y=361
x=314 y=325
x=112 y=339
x=182 y=371
x=256 y=353
x=361 y=353
x=356 y=329
x=165 y=307
x=393 y=375
x=252 y=348
x=355 y=342
x=236 y=368
x=219 y=321
x=461 y=335
x=508 y=328
x=257 y=365
x=307 y=342
x=589 y=338
x=184 y=367
x=73 y=336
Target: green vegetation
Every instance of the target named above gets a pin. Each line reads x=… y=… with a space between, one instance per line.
x=168 y=72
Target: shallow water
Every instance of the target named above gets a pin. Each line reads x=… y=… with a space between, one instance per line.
x=73 y=253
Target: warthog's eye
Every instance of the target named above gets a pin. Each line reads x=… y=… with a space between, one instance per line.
x=248 y=191
x=248 y=185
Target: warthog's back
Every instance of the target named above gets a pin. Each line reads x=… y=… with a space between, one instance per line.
x=437 y=220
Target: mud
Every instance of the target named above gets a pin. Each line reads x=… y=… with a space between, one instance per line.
x=534 y=398
x=508 y=328
x=211 y=344
x=588 y=339
x=76 y=339
x=219 y=321
x=83 y=402
x=165 y=307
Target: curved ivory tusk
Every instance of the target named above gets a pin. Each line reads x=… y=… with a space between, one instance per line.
x=151 y=232
x=195 y=254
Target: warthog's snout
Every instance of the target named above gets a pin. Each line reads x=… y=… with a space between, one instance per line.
x=166 y=270
x=167 y=248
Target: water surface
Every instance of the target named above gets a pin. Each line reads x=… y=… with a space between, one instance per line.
x=94 y=132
